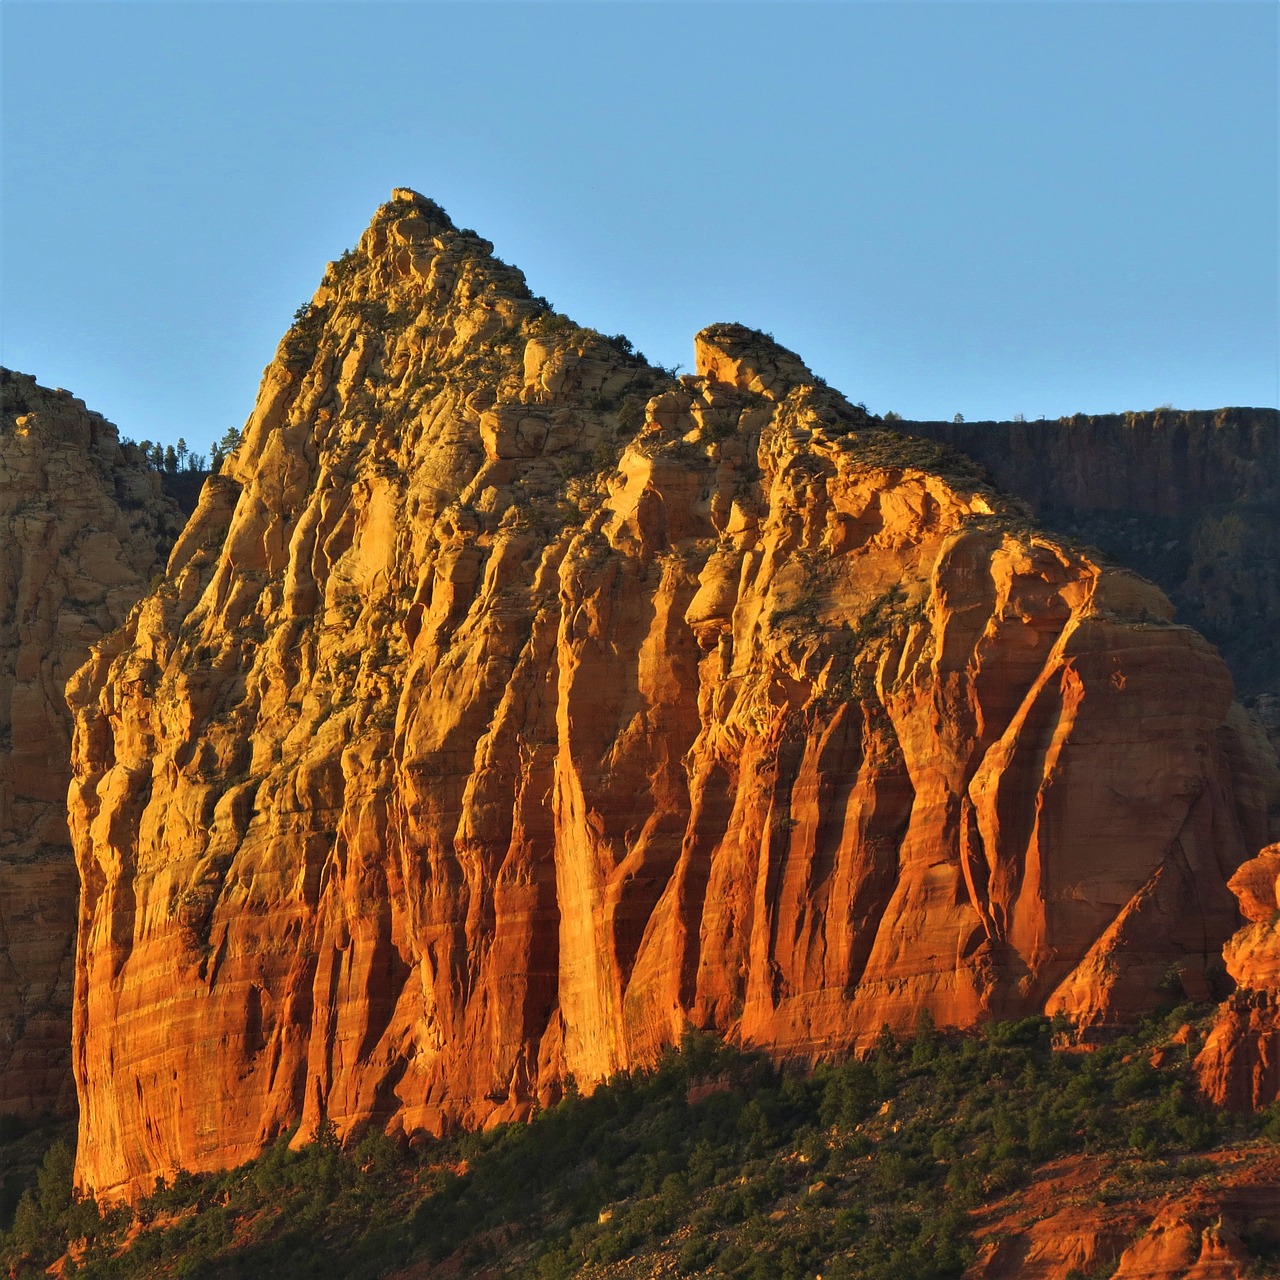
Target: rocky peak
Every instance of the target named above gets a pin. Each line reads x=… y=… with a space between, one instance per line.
x=420 y=333
x=406 y=195
x=508 y=706
x=750 y=360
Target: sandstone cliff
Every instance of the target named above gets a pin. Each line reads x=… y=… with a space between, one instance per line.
x=507 y=707
x=1240 y=1064
x=83 y=527
x=1189 y=499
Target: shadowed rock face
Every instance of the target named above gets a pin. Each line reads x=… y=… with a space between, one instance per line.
x=508 y=706
x=83 y=527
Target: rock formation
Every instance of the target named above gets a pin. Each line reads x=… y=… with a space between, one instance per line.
x=1059 y=1227
x=83 y=527
x=1189 y=499
x=1164 y=462
x=508 y=706
x=1239 y=1066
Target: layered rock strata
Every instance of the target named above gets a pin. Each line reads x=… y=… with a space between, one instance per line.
x=83 y=528
x=1239 y=1066
x=508 y=706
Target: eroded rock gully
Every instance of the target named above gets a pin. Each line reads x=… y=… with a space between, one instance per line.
x=508 y=706
x=83 y=528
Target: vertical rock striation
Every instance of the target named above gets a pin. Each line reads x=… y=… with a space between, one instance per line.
x=1164 y=462
x=83 y=527
x=508 y=706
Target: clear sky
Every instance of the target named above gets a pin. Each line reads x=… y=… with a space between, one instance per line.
x=977 y=208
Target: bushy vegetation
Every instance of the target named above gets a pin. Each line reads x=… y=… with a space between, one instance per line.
x=716 y=1159
x=890 y=448
x=182 y=472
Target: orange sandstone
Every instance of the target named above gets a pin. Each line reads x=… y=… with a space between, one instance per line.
x=508 y=706
x=1058 y=1226
x=1239 y=1065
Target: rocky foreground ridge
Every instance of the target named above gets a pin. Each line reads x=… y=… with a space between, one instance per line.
x=508 y=706
x=83 y=528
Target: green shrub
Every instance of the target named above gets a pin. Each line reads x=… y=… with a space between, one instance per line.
x=696 y=1254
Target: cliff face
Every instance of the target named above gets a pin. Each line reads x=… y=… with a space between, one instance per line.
x=1059 y=1227
x=1240 y=1064
x=1160 y=463
x=83 y=528
x=1190 y=500
x=507 y=707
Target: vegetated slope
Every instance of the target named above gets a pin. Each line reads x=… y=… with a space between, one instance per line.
x=83 y=528
x=1189 y=499
x=508 y=706
x=991 y=1156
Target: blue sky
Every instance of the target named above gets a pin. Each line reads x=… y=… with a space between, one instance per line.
x=982 y=208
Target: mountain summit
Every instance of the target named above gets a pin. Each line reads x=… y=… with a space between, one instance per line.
x=509 y=706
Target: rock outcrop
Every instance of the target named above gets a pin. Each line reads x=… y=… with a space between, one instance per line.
x=83 y=527
x=1239 y=1066
x=1086 y=1216
x=1189 y=499
x=508 y=706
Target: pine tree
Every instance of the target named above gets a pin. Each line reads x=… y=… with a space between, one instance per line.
x=229 y=443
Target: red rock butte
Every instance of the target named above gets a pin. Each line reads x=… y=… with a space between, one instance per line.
x=509 y=706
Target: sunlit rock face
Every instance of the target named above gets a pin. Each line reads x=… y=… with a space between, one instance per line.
x=83 y=528
x=1239 y=1066
x=1058 y=1228
x=509 y=706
